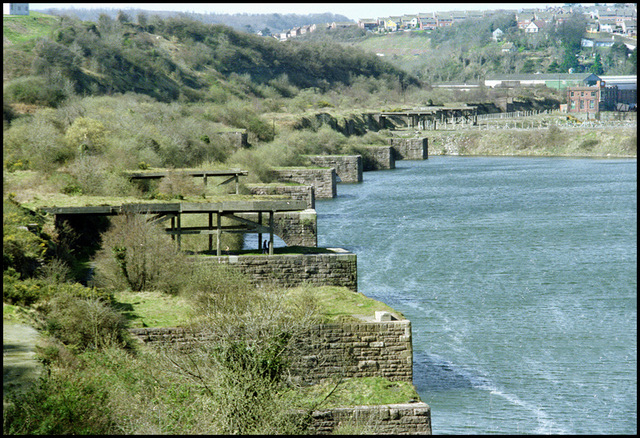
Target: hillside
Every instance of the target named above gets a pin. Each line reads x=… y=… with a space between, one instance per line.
x=466 y=51
x=168 y=59
x=246 y=22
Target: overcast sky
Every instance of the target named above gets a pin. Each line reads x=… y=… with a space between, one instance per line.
x=353 y=11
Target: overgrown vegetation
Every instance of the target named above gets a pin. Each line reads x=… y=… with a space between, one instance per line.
x=98 y=381
x=84 y=103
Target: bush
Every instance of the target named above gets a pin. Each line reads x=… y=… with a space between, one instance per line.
x=34 y=90
x=85 y=323
x=23 y=249
x=86 y=135
x=59 y=406
x=31 y=291
x=217 y=289
x=137 y=254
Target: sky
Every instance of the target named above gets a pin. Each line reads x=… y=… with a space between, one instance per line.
x=353 y=11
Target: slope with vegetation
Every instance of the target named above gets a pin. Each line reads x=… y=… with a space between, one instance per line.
x=466 y=52
x=86 y=102
x=92 y=100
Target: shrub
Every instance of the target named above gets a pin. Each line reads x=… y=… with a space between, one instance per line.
x=217 y=289
x=87 y=135
x=34 y=90
x=137 y=254
x=23 y=249
x=30 y=291
x=85 y=323
x=37 y=141
x=59 y=406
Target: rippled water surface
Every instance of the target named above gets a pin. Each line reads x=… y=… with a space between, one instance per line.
x=519 y=278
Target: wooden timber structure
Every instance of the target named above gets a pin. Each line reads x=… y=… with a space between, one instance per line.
x=232 y=175
x=430 y=117
x=174 y=210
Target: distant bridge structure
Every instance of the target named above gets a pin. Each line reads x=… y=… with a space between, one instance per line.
x=431 y=117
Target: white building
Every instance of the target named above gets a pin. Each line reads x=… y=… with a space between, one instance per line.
x=18 y=8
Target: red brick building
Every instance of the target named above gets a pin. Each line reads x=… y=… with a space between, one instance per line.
x=591 y=99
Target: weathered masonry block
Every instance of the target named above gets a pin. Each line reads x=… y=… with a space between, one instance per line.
x=323 y=180
x=397 y=419
x=297 y=192
x=358 y=349
x=410 y=148
x=325 y=351
x=379 y=158
x=291 y=270
x=295 y=228
x=348 y=167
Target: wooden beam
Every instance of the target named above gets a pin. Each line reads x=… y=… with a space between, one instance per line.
x=210 y=228
x=218 y=234
x=271 y=233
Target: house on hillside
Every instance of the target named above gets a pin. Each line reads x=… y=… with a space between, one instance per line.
x=391 y=24
x=342 y=24
x=592 y=27
x=508 y=47
x=525 y=17
x=444 y=20
x=427 y=21
x=534 y=26
x=496 y=35
x=19 y=8
x=368 y=24
x=630 y=27
x=607 y=25
x=409 y=22
x=592 y=42
x=458 y=16
x=475 y=15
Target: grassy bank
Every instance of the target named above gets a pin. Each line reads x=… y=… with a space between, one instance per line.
x=157 y=309
x=551 y=141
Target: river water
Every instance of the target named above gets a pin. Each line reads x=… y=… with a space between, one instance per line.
x=519 y=278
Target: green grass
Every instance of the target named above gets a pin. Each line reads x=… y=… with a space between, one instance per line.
x=365 y=391
x=339 y=304
x=153 y=309
x=62 y=200
x=397 y=43
x=21 y=29
x=18 y=314
x=157 y=309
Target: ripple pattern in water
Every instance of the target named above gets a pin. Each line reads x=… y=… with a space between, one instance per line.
x=519 y=277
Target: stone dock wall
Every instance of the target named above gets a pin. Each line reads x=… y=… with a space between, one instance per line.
x=358 y=349
x=292 y=270
x=322 y=180
x=348 y=167
x=410 y=148
x=397 y=419
x=379 y=158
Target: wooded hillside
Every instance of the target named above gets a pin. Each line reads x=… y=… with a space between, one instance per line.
x=171 y=59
